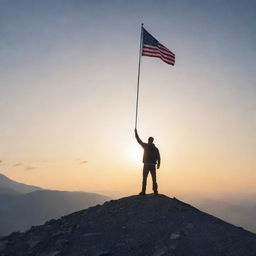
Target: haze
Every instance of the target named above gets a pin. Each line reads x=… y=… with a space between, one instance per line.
x=68 y=76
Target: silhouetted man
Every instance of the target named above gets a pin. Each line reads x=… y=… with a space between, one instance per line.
x=151 y=158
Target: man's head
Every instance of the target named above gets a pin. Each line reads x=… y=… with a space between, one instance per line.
x=150 y=140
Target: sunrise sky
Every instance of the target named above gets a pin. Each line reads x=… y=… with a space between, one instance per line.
x=68 y=74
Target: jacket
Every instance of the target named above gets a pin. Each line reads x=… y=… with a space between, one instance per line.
x=151 y=153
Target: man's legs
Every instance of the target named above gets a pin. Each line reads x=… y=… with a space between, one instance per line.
x=153 y=175
x=144 y=181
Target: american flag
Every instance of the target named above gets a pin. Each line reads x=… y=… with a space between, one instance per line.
x=152 y=48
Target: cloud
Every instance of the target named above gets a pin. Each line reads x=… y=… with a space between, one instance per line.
x=29 y=168
x=83 y=162
x=17 y=164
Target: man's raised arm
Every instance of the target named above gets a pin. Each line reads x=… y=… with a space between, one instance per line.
x=138 y=138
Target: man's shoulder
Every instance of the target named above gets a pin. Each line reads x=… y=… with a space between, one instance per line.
x=155 y=146
x=152 y=146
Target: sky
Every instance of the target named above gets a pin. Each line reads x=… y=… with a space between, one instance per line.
x=68 y=74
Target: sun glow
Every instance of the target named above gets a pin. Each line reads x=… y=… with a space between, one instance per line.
x=135 y=153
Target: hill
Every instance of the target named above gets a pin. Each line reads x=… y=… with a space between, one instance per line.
x=134 y=226
x=8 y=186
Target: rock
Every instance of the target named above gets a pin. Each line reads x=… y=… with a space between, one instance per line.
x=33 y=243
x=61 y=243
x=175 y=235
x=3 y=245
x=92 y=234
x=188 y=228
x=54 y=253
x=14 y=235
x=161 y=251
x=172 y=246
x=50 y=222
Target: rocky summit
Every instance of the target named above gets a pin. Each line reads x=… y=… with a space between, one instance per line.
x=133 y=226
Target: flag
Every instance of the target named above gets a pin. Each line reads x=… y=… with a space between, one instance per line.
x=152 y=48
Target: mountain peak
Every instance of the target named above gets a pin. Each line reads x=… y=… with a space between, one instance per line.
x=2 y=176
x=7 y=183
x=135 y=225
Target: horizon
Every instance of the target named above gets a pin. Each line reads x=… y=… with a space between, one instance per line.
x=68 y=91
x=190 y=197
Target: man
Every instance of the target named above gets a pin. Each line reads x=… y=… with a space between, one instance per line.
x=151 y=158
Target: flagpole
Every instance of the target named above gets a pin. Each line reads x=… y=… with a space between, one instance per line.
x=138 y=79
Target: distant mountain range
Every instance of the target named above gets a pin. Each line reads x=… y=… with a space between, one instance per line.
x=240 y=212
x=134 y=226
x=22 y=206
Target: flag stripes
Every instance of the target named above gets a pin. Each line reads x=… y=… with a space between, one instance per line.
x=152 y=48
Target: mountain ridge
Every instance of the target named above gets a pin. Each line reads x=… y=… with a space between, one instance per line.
x=22 y=206
x=7 y=183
